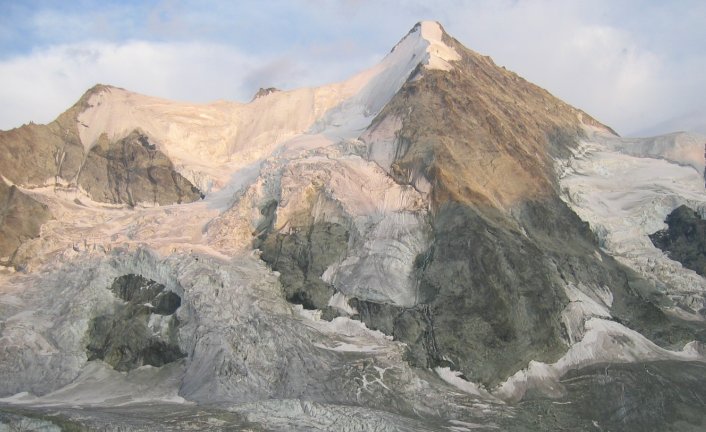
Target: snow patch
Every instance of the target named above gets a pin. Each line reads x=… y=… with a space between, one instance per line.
x=454 y=378
x=340 y=302
x=604 y=342
x=440 y=54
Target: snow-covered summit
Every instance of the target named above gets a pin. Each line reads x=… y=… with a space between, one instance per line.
x=439 y=54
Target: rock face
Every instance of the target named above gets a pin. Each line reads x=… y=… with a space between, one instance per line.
x=131 y=171
x=262 y=92
x=21 y=218
x=302 y=256
x=128 y=171
x=491 y=286
x=684 y=239
x=142 y=330
x=303 y=252
x=40 y=154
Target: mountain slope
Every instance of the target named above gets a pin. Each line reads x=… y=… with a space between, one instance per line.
x=502 y=255
x=434 y=244
x=38 y=155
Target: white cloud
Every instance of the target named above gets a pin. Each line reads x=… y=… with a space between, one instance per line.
x=577 y=54
x=603 y=71
x=632 y=65
x=41 y=85
x=47 y=82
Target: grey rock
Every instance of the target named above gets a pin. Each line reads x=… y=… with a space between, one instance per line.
x=301 y=256
x=264 y=91
x=137 y=290
x=684 y=239
x=131 y=171
x=21 y=218
x=124 y=339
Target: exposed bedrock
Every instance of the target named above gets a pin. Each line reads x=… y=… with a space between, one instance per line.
x=301 y=256
x=491 y=300
x=142 y=330
x=33 y=154
x=684 y=240
x=651 y=396
x=21 y=218
x=303 y=252
x=132 y=171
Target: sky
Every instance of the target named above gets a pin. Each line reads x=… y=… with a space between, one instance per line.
x=638 y=66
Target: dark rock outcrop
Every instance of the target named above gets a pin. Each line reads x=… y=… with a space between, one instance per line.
x=262 y=92
x=124 y=338
x=684 y=239
x=131 y=171
x=301 y=256
x=21 y=218
x=302 y=252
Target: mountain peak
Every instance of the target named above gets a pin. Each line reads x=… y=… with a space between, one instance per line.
x=430 y=29
x=440 y=54
x=430 y=35
x=433 y=214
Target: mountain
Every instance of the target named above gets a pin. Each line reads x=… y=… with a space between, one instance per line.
x=127 y=170
x=433 y=244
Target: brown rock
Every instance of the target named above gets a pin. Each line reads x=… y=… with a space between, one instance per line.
x=21 y=218
x=131 y=171
x=128 y=171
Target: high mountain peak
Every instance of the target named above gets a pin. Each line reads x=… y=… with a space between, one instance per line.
x=429 y=36
x=435 y=197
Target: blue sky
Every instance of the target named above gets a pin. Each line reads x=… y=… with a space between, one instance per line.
x=637 y=65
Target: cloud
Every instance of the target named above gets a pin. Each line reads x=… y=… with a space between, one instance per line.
x=41 y=85
x=46 y=82
x=575 y=53
x=631 y=64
